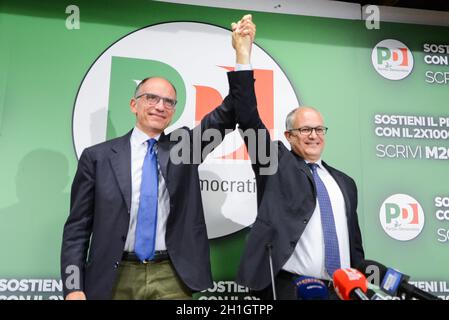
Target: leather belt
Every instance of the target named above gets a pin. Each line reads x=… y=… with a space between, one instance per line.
x=159 y=255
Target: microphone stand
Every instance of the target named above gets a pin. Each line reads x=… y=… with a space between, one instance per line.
x=273 y=283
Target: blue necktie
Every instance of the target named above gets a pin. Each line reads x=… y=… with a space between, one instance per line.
x=331 y=251
x=147 y=213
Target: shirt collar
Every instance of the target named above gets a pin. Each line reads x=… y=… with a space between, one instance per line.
x=318 y=162
x=139 y=137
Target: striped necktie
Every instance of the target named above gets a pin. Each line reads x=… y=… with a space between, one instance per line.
x=331 y=250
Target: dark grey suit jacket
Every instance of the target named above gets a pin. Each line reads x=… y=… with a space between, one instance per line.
x=96 y=229
x=286 y=201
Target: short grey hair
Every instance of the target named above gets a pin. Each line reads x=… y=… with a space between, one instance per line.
x=289 y=119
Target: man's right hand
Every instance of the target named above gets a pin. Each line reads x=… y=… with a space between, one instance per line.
x=76 y=295
x=243 y=34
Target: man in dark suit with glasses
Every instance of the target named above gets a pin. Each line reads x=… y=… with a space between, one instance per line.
x=307 y=222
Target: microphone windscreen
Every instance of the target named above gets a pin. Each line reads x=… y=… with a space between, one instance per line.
x=347 y=280
x=309 y=288
x=391 y=281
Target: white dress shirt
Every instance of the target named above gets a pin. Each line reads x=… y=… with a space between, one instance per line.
x=139 y=147
x=308 y=256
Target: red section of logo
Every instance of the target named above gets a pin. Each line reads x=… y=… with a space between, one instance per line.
x=404 y=52
x=395 y=56
x=208 y=98
x=404 y=55
x=405 y=213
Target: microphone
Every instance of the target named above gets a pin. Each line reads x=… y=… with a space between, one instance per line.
x=309 y=288
x=394 y=282
x=350 y=284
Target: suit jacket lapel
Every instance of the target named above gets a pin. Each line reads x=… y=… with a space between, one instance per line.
x=120 y=160
x=343 y=188
x=163 y=154
x=302 y=165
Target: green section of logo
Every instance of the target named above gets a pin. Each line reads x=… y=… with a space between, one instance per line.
x=125 y=74
x=383 y=54
x=392 y=211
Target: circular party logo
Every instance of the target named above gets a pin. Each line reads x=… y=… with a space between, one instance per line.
x=401 y=217
x=392 y=59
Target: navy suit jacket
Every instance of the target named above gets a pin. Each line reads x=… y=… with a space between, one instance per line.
x=286 y=201
x=96 y=229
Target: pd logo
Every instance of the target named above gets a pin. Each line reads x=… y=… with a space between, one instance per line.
x=392 y=59
x=402 y=217
x=195 y=58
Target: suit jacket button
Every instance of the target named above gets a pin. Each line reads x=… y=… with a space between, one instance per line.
x=305 y=221
x=123 y=238
x=293 y=243
x=116 y=265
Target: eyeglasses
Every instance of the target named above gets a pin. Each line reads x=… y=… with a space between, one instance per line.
x=153 y=99
x=305 y=131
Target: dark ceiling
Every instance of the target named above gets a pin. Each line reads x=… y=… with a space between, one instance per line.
x=439 y=5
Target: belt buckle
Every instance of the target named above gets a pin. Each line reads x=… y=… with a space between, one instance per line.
x=146 y=261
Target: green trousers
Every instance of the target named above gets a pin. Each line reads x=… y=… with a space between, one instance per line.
x=151 y=281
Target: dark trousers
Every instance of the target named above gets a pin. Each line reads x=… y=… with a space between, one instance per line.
x=286 y=288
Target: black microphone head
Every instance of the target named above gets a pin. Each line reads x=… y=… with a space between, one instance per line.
x=392 y=281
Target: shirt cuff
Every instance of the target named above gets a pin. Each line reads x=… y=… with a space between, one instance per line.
x=243 y=67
